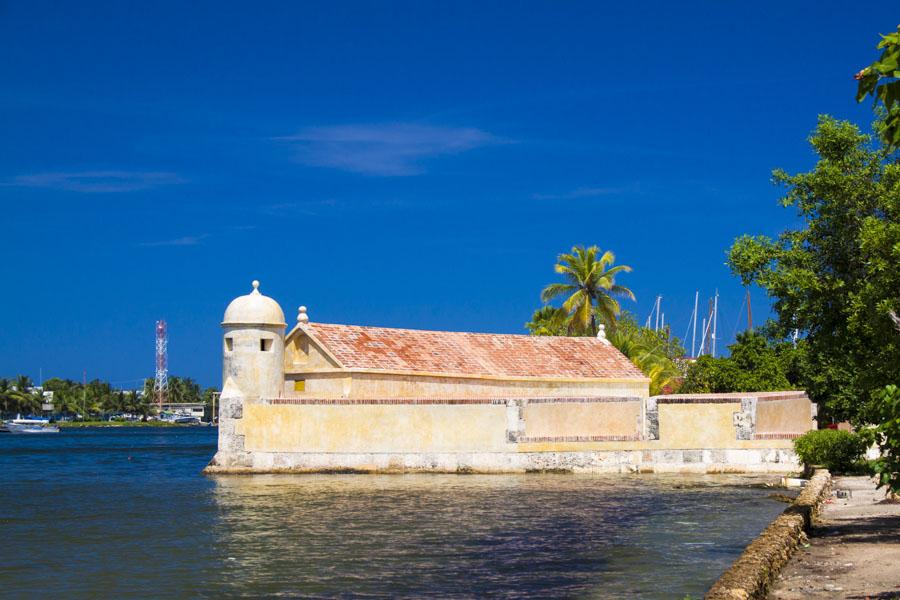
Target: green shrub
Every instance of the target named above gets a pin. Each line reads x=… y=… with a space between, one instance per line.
x=837 y=451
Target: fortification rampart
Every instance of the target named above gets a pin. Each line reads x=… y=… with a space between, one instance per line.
x=676 y=433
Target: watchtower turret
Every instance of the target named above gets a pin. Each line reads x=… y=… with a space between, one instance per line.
x=253 y=346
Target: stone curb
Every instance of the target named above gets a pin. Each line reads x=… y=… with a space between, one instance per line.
x=754 y=570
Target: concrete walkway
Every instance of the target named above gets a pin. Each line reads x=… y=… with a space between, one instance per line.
x=853 y=553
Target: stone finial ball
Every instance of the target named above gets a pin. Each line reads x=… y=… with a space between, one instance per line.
x=302 y=317
x=255 y=284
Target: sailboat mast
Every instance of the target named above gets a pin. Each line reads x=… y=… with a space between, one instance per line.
x=715 y=323
x=702 y=336
x=749 y=312
x=658 y=298
x=694 y=336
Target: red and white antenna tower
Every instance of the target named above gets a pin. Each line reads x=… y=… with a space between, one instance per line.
x=161 y=384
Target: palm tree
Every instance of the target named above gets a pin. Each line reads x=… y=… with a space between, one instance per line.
x=590 y=286
x=648 y=353
x=548 y=320
x=5 y=393
x=20 y=395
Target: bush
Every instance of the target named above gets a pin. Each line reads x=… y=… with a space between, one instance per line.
x=838 y=451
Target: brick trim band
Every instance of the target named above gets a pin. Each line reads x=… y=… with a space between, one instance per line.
x=776 y=436
x=584 y=400
x=581 y=438
x=698 y=400
x=432 y=401
x=380 y=401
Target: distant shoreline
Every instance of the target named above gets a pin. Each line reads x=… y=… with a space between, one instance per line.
x=77 y=424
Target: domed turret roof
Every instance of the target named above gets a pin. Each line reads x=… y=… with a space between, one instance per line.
x=254 y=309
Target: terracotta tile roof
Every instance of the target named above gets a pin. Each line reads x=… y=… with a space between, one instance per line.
x=461 y=353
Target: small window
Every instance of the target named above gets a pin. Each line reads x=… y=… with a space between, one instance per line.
x=299 y=385
x=229 y=344
x=265 y=344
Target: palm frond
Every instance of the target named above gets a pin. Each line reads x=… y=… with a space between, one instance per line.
x=555 y=290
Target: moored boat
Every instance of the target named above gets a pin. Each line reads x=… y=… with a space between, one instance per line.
x=28 y=425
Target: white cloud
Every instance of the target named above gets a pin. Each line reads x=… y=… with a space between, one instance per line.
x=583 y=192
x=388 y=150
x=96 y=182
x=188 y=240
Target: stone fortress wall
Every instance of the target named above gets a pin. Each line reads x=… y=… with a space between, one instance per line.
x=311 y=404
x=678 y=433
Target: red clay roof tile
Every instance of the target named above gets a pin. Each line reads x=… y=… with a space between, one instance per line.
x=462 y=353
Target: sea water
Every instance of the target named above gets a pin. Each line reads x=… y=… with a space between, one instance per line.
x=126 y=513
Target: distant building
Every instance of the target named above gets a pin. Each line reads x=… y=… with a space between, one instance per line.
x=189 y=409
x=342 y=397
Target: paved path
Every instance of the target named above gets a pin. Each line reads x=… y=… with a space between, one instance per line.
x=853 y=553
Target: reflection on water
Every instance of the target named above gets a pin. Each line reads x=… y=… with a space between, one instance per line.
x=446 y=535
x=127 y=514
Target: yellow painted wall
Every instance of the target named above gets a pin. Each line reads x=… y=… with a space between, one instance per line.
x=348 y=384
x=299 y=353
x=373 y=428
x=783 y=416
x=698 y=425
x=582 y=419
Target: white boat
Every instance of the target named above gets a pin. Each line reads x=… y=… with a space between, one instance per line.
x=181 y=418
x=28 y=425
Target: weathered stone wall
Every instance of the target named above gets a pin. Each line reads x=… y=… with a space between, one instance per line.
x=789 y=414
x=706 y=433
x=392 y=428
x=600 y=418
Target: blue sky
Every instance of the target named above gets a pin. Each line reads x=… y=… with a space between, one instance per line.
x=400 y=164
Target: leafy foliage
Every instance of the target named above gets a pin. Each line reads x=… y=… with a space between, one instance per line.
x=887 y=435
x=755 y=364
x=548 y=320
x=881 y=80
x=836 y=278
x=590 y=289
x=655 y=353
x=71 y=398
x=837 y=451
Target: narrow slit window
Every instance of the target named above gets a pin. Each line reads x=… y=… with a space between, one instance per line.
x=265 y=344
x=229 y=344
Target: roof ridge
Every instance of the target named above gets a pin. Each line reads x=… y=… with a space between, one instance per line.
x=479 y=333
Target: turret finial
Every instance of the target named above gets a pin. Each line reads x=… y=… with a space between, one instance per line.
x=302 y=317
x=255 y=285
x=601 y=334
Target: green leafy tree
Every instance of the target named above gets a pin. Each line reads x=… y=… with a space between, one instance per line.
x=67 y=395
x=754 y=365
x=138 y=404
x=881 y=81
x=590 y=288
x=19 y=397
x=835 y=278
x=887 y=434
